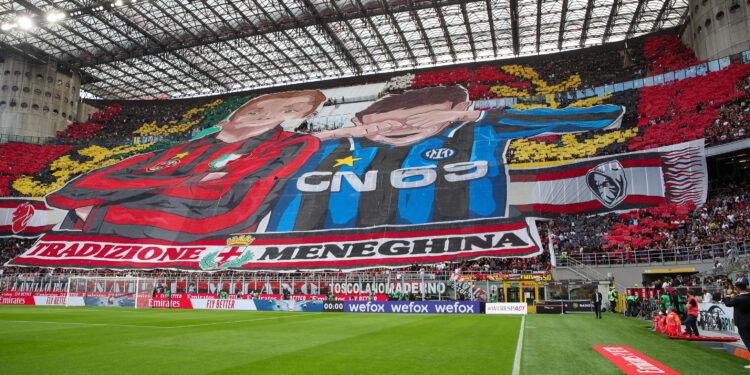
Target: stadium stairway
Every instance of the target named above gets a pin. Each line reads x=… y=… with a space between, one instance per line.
x=583 y=271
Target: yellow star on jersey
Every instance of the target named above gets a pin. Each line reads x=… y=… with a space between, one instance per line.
x=349 y=160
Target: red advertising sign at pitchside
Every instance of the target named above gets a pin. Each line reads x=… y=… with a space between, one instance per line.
x=632 y=362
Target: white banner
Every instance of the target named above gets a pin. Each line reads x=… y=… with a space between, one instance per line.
x=724 y=313
x=506 y=308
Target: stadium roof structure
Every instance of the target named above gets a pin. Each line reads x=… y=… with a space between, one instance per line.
x=129 y=49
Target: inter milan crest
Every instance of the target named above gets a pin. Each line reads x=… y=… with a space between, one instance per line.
x=608 y=183
x=437 y=154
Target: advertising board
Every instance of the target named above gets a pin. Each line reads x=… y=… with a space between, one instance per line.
x=506 y=308
x=411 y=307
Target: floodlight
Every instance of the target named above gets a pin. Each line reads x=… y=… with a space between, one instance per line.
x=55 y=16
x=25 y=22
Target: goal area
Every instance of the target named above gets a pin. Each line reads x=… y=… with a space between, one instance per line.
x=134 y=292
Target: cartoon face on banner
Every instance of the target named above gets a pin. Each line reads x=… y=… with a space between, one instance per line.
x=419 y=178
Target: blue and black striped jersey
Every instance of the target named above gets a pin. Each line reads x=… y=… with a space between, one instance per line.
x=458 y=175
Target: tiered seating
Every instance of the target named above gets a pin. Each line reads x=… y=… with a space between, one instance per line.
x=5 y=185
x=488 y=82
x=642 y=228
x=568 y=146
x=72 y=164
x=441 y=77
x=575 y=146
x=87 y=130
x=733 y=118
x=683 y=110
x=399 y=84
x=26 y=158
x=19 y=159
x=31 y=170
x=666 y=53
x=715 y=107
x=683 y=232
x=135 y=114
x=197 y=117
x=543 y=76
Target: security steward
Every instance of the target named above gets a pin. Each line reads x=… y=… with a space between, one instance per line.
x=612 y=298
x=691 y=322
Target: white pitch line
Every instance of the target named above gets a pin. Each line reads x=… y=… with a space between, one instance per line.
x=240 y=321
x=82 y=324
x=146 y=326
x=519 y=349
x=75 y=308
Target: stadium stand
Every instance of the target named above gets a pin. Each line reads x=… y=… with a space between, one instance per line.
x=81 y=132
x=714 y=106
x=666 y=53
x=669 y=232
x=271 y=176
x=588 y=68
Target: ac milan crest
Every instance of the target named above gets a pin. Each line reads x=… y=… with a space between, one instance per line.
x=21 y=217
x=608 y=183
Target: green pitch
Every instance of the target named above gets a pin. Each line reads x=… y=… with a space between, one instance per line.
x=49 y=340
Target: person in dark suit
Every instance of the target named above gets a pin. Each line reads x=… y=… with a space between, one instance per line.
x=741 y=305
x=596 y=300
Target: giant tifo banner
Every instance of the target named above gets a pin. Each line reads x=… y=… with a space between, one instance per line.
x=418 y=179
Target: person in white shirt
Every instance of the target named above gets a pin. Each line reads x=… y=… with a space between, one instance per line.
x=707 y=297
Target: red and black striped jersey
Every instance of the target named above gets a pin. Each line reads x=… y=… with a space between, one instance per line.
x=166 y=195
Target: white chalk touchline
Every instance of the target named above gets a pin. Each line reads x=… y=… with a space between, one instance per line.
x=146 y=326
x=240 y=321
x=519 y=349
x=81 y=324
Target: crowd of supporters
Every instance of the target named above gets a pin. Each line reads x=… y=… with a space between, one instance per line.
x=714 y=229
x=710 y=282
x=134 y=114
x=579 y=70
x=733 y=122
x=9 y=249
x=597 y=68
x=715 y=107
x=78 y=132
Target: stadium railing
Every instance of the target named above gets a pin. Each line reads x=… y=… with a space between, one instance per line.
x=728 y=251
x=226 y=276
x=6 y=138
